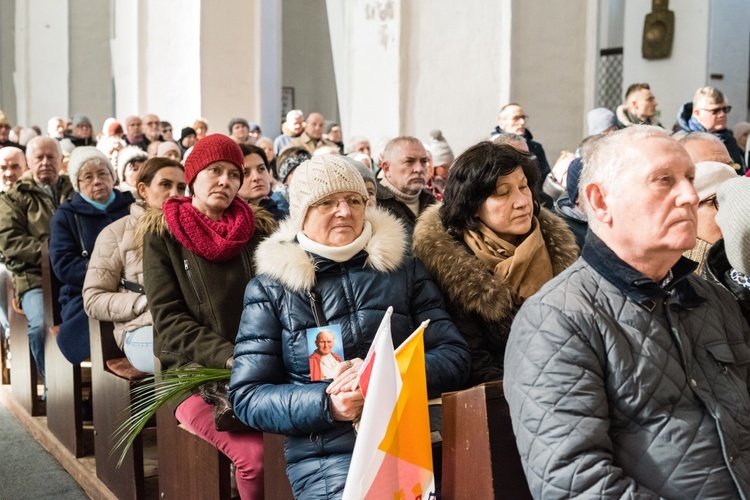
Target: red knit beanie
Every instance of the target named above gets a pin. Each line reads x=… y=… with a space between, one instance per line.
x=210 y=149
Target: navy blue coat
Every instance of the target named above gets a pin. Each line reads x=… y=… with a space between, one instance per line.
x=270 y=387
x=70 y=244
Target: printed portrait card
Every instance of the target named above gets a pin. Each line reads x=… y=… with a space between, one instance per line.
x=326 y=350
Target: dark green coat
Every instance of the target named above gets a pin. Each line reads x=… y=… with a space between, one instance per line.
x=25 y=214
x=196 y=304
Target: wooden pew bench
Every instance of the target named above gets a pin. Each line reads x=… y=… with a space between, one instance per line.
x=480 y=458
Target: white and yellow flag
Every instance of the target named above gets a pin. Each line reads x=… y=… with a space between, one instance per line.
x=392 y=457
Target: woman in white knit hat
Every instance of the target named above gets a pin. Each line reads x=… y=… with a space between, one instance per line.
x=333 y=263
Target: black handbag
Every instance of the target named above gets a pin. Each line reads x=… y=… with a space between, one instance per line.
x=215 y=393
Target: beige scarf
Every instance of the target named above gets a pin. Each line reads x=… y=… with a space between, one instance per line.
x=524 y=268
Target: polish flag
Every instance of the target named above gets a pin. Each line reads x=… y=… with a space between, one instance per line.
x=393 y=454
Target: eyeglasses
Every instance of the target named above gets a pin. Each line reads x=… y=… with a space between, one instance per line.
x=330 y=204
x=88 y=178
x=716 y=111
x=712 y=200
x=519 y=118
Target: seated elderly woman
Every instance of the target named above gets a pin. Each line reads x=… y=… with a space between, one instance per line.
x=332 y=263
x=73 y=231
x=113 y=290
x=197 y=259
x=490 y=246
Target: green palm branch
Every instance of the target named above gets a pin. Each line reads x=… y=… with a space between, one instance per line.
x=156 y=390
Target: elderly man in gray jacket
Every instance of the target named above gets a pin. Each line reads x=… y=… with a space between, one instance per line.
x=626 y=375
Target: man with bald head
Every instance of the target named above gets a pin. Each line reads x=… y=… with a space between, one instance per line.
x=12 y=166
x=25 y=212
x=702 y=146
x=312 y=138
x=627 y=375
x=713 y=166
x=513 y=119
x=152 y=128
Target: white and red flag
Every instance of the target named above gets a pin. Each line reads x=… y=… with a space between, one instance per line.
x=392 y=457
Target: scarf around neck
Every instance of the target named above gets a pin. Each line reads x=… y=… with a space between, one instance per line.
x=215 y=241
x=411 y=201
x=524 y=268
x=337 y=254
x=134 y=139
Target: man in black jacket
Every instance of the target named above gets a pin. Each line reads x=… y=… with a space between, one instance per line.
x=513 y=120
x=402 y=188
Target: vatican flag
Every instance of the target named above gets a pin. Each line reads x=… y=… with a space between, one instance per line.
x=392 y=457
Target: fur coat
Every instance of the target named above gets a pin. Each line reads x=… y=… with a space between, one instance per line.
x=480 y=303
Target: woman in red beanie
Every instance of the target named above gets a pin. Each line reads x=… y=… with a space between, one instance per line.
x=197 y=258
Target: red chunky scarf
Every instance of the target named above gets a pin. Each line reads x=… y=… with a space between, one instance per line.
x=212 y=240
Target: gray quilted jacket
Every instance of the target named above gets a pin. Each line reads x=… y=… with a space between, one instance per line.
x=621 y=388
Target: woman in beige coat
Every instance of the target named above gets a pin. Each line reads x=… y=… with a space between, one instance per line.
x=113 y=290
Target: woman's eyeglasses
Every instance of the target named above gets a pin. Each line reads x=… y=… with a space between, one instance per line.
x=329 y=205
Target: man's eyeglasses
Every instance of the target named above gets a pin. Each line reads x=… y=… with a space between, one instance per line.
x=716 y=111
x=712 y=200
x=519 y=118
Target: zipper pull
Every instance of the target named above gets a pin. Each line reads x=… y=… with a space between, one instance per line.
x=187 y=268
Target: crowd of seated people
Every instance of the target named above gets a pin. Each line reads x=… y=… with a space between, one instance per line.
x=609 y=291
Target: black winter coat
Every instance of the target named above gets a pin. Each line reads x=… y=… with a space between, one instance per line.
x=270 y=387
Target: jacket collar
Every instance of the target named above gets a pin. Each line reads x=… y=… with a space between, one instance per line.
x=281 y=257
x=467 y=282
x=634 y=284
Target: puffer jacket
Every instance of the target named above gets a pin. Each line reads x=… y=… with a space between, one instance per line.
x=116 y=257
x=195 y=303
x=25 y=214
x=270 y=387
x=619 y=388
x=481 y=304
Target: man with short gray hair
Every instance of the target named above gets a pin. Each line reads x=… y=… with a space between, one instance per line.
x=402 y=188
x=25 y=213
x=291 y=128
x=627 y=375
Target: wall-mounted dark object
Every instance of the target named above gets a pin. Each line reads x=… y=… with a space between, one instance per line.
x=658 y=31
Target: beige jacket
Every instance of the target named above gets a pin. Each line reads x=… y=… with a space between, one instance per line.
x=115 y=256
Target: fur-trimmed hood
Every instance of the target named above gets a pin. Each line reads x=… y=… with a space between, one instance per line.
x=281 y=257
x=465 y=281
x=153 y=222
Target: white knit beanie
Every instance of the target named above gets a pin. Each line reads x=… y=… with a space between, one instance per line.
x=442 y=154
x=734 y=205
x=709 y=175
x=82 y=155
x=319 y=177
x=127 y=155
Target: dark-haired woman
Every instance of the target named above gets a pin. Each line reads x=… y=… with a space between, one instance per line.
x=197 y=259
x=256 y=188
x=113 y=290
x=490 y=246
